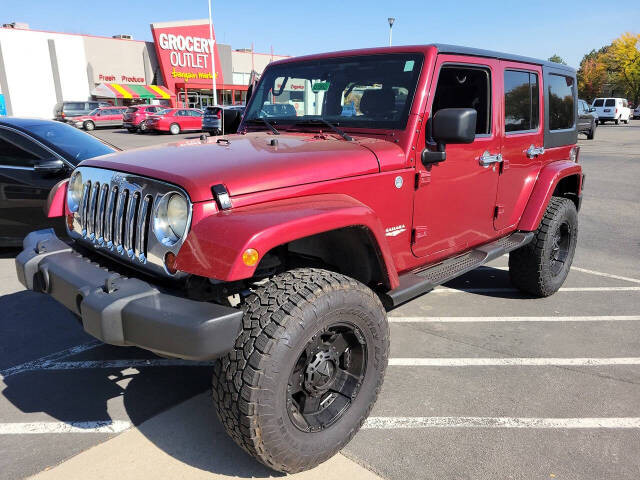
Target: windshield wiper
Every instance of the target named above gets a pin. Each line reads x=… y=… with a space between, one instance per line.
x=263 y=120
x=339 y=131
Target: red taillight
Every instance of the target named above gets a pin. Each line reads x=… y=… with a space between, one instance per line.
x=616 y=110
x=62 y=115
x=219 y=114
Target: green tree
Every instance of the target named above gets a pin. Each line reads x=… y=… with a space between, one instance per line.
x=557 y=59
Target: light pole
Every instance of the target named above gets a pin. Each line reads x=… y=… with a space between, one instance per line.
x=391 y=20
x=213 y=58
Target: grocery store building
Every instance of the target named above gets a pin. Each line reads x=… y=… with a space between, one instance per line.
x=39 y=69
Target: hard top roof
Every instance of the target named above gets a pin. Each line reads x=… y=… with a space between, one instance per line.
x=441 y=48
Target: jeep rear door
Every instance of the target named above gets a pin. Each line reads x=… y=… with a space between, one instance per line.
x=455 y=199
x=522 y=111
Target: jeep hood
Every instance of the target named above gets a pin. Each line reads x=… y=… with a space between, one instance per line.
x=249 y=163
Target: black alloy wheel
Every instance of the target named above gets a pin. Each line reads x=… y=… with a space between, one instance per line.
x=327 y=377
x=561 y=241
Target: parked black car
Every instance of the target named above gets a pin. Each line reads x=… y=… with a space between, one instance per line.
x=63 y=110
x=587 y=119
x=34 y=156
x=212 y=122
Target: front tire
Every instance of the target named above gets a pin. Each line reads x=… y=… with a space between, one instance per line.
x=541 y=267
x=89 y=126
x=306 y=369
x=592 y=132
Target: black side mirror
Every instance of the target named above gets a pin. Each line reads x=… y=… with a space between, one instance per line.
x=450 y=125
x=48 y=167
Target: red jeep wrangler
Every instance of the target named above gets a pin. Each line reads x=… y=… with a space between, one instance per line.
x=277 y=251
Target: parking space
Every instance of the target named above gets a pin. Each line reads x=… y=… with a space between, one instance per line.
x=482 y=383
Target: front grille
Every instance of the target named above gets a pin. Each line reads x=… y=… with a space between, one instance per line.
x=115 y=215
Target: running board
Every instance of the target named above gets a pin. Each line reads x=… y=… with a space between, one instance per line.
x=418 y=282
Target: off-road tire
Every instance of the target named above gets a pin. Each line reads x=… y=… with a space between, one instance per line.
x=530 y=267
x=89 y=126
x=250 y=383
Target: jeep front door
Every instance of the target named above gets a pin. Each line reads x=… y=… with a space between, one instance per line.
x=522 y=141
x=455 y=199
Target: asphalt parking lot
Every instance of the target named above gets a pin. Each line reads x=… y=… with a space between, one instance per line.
x=482 y=382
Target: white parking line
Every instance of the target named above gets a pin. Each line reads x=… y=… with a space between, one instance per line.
x=593 y=318
x=511 y=362
x=114 y=426
x=608 y=275
x=577 y=269
x=513 y=290
x=499 y=422
x=39 y=362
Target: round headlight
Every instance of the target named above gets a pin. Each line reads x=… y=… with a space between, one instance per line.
x=177 y=214
x=170 y=218
x=74 y=192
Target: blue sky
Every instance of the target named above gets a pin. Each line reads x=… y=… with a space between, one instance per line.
x=537 y=29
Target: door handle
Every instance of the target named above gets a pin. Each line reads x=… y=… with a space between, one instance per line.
x=488 y=159
x=533 y=151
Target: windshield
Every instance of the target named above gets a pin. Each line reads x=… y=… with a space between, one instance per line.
x=73 y=143
x=367 y=91
x=94 y=111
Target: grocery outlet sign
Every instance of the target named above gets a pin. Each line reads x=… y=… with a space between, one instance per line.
x=184 y=53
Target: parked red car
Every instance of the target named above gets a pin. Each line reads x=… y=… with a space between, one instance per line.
x=135 y=118
x=99 y=117
x=176 y=120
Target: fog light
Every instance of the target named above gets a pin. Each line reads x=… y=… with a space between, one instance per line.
x=170 y=263
x=250 y=257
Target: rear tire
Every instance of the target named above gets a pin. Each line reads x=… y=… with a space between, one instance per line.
x=89 y=126
x=143 y=127
x=131 y=130
x=541 y=267
x=277 y=394
x=174 y=129
x=617 y=120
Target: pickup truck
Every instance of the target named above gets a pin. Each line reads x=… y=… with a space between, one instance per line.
x=278 y=251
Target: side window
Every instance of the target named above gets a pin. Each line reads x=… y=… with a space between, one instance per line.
x=521 y=101
x=151 y=109
x=561 y=106
x=465 y=87
x=598 y=102
x=18 y=151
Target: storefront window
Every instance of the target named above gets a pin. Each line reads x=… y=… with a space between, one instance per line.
x=224 y=97
x=240 y=97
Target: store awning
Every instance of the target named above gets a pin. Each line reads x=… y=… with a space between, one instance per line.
x=119 y=90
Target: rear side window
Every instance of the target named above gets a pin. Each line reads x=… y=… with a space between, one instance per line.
x=561 y=107
x=465 y=87
x=521 y=101
x=73 y=106
x=132 y=110
x=610 y=102
x=598 y=102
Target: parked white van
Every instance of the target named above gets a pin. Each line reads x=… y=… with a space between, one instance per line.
x=612 y=109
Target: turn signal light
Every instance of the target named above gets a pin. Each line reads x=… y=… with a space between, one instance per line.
x=250 y=257
x=170 y=263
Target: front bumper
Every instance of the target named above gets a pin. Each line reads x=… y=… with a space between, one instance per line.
x=125 y=311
